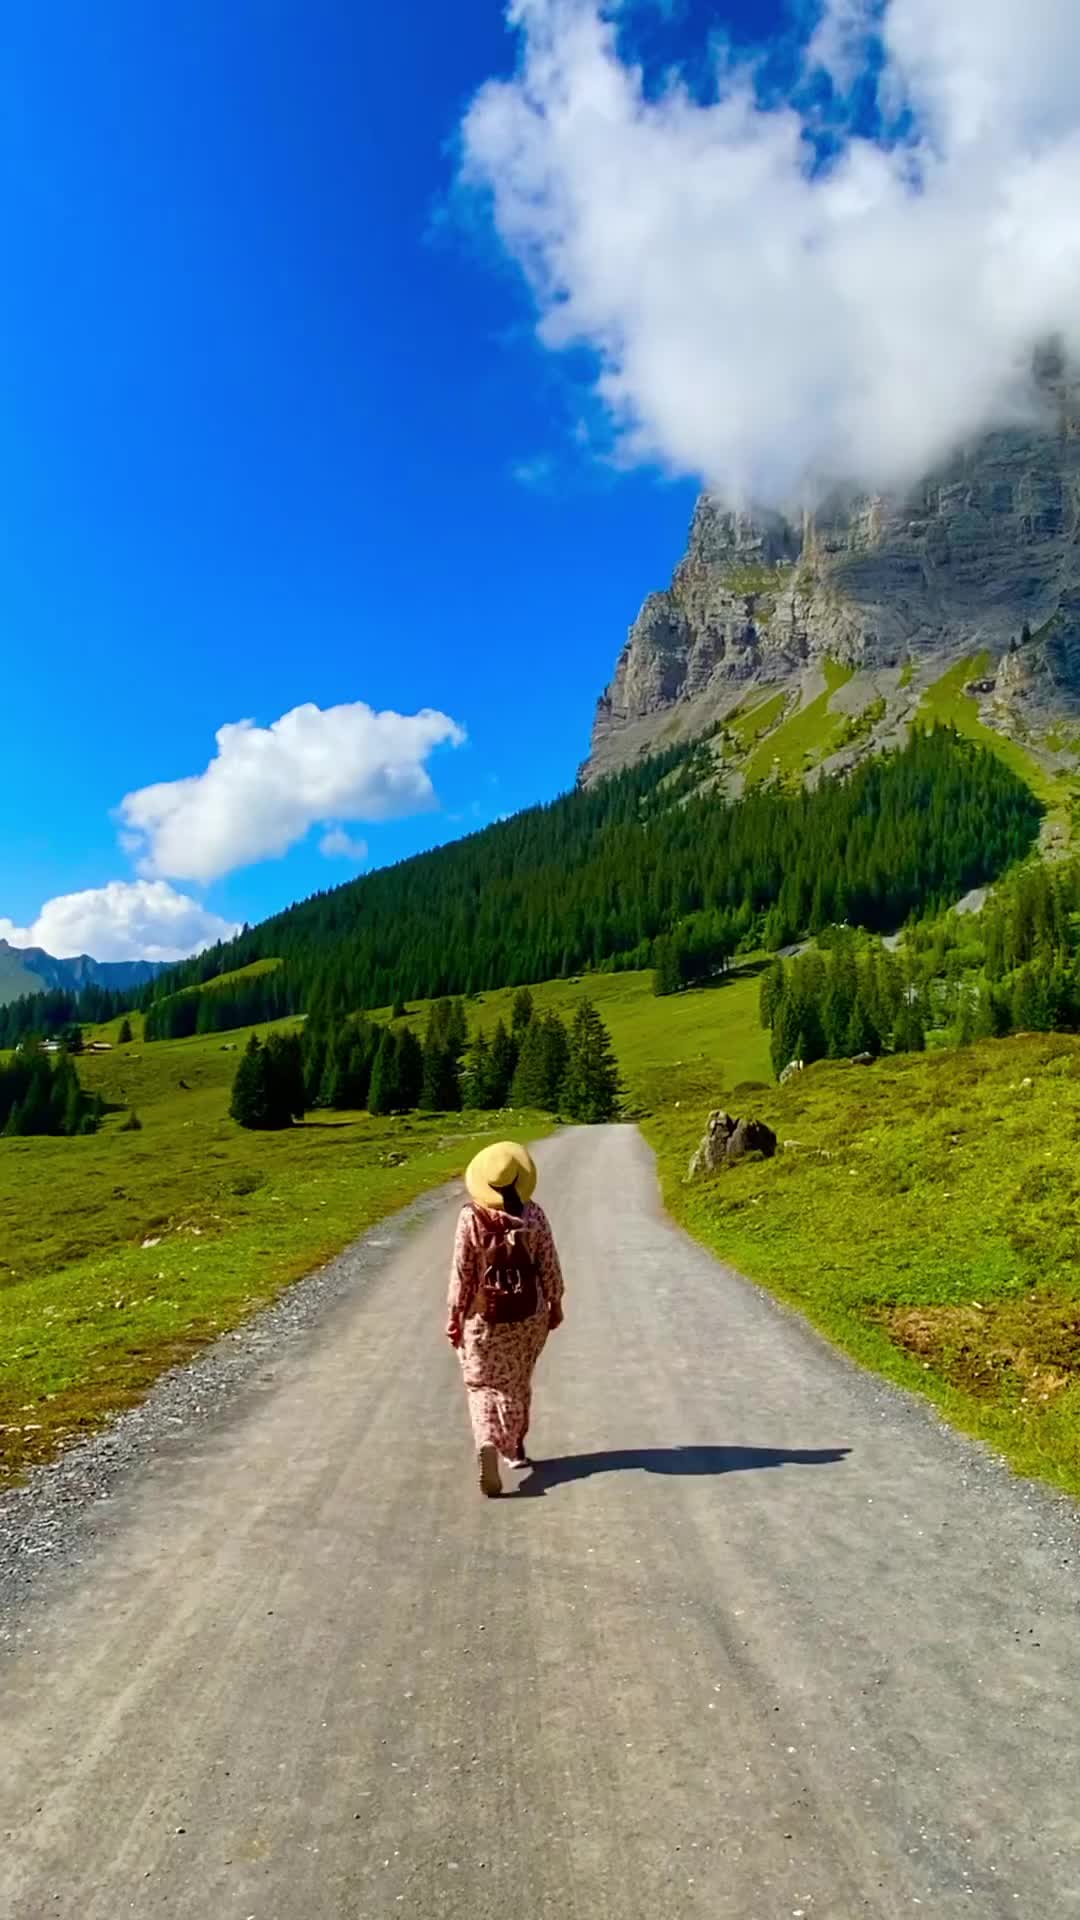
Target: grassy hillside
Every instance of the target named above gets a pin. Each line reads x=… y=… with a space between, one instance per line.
x=925 y=1214
x=947 y=703
x=805 y=737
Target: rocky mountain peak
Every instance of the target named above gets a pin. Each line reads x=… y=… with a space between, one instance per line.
x=896 y=589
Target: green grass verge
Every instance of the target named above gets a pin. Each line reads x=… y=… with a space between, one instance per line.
x=928 y=1221
x=124 y=1253
x=806 y=737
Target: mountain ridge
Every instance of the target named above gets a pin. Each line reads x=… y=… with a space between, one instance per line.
x=30 y=970
x=898 y=589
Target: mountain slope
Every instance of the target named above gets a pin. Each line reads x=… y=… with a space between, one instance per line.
x=26 y=970
x=898 y=591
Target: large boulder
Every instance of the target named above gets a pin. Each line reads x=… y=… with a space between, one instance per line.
x=727 y=1140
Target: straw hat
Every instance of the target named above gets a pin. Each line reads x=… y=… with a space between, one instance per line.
x=498 y=1167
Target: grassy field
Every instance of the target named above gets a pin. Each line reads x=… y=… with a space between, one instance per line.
x=926 y=1216
x=126 y=1251
x=806 y=736
x=924 y=1212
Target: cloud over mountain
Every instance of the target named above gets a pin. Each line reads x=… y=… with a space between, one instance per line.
x=125 y=920
x=838 y=283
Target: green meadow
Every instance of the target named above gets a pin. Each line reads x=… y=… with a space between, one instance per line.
x=124 y=1252
x=924 y=1213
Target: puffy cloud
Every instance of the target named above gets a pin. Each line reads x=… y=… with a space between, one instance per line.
x=125 y=920
x=763 y=317
x=267 y=786
x=339 y=845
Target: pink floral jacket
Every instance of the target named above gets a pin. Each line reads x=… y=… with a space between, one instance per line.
x=466 y=1271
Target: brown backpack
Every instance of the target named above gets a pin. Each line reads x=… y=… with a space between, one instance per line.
x=509 y=1290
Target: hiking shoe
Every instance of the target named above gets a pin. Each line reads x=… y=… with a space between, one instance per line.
x=517 y=1462
x=490 y=1484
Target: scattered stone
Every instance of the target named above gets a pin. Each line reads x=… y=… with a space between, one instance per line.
x=793 y=1067
x=862 y=1059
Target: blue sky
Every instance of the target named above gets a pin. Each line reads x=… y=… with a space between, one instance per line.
x=277 y=431
x=263 y=401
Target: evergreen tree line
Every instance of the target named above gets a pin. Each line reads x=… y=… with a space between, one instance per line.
x=599 y=877
x=836 y=1004
x=34 y=1014
x=357 y=1064
x=697 y=949
x=213 y=1009
x=40 y=1093
x=832 y=1005
x=1031 y=917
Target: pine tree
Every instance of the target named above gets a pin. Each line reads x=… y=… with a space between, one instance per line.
x=67 y=1103
x=771 y=991
x=557 y=1059
x=476 y=1079
x=124 y=1034
x=501 y=1066
x=441 y=1090
x=909 y=1032
x=862 y=1034
x=785 y=1032
x=410 y=1068
x=531 y=1074
x=399 y=1009
x=590 y=1093
x=521 y=1012
x=667 y=977
x=283 y=1068
x=383 y=1095
x=1027 y=1002
x=249 y=1104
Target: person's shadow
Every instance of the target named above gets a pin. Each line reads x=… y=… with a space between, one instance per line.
x=672 y=1460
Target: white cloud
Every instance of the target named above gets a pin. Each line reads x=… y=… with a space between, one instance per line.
x=762 y=321
x=267 y=786
x=125 y=920
x=339 y=845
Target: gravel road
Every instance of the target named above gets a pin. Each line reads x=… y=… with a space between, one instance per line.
x=760 y=1640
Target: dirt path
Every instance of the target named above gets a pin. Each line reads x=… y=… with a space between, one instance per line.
x=762 y=1640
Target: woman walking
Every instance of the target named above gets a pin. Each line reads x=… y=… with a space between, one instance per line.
x=506 y=1291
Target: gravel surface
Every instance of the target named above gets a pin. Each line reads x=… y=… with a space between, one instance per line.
x=758 y=1638
x=54 y=1518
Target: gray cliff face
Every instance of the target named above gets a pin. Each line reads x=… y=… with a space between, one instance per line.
x=957 y=567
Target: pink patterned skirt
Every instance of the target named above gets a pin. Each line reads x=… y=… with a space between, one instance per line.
x=497 y=1365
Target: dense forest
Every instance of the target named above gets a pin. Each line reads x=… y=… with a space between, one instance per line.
x=599 y=877
x=1013 y=967
x=358 y=1063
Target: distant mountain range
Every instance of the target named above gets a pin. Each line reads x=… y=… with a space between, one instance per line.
x=31 y=970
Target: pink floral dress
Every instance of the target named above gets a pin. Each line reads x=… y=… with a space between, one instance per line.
x=497 y=1360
